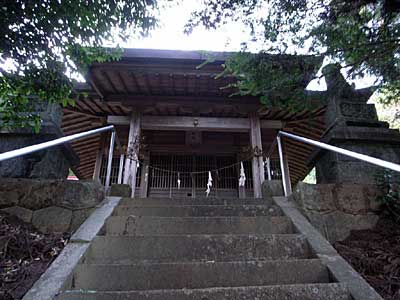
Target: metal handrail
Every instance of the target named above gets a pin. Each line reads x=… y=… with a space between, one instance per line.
x=66 y=139
x=376 y=161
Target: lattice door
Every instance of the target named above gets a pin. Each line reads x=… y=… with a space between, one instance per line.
x=165 y=168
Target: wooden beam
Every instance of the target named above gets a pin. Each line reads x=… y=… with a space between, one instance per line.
x=109 y=82
x=135 y=81
x=89 y=140
x=86 y=146
x=195 y=123
x=86 y=151
x=253 y=103
x=299 y=145
x=293 y=163
x=88 y=163
x=85 y=106
x=86 y=124
x=92 y=79
x=75 y=120
x=182 y=149
x=83 y=112
x=87 y=171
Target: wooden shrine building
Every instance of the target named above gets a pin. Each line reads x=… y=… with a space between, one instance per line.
x=180 y=123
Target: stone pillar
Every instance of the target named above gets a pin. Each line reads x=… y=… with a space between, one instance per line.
x=52 y=163
x=257 y=162
x=132 y=155
x=354 y=125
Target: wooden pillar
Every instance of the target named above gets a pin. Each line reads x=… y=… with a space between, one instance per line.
x=99 y=158
x=144 y=181
x=132 y=153
x=257 y=162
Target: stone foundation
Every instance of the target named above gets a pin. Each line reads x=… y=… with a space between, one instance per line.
x=336 y=209
x=50 y=205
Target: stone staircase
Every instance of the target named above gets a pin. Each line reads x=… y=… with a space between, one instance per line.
x=203 y=249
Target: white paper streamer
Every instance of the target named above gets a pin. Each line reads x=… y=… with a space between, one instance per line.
x=209 y=184
x=242 y=178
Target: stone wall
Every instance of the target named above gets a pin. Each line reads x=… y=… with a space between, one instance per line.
x=50 y=205
x=336 y=209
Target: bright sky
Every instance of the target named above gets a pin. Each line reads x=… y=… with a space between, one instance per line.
x=170 y=36
x=170 y=33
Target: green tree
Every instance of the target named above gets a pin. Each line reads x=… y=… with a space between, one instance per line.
x=362 y=35
x=49 y=41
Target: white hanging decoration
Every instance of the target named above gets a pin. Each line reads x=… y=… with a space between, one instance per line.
x=179 y=181
x=209 y=184
x=242 y=178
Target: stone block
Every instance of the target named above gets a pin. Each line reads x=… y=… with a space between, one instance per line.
x=20 y=212
x=315 y=197
x=81 y=194
x=120 y=190
x=51 y=164
x=336 y=209
x=12 y=191
x=337 y=226
x=272 y=188
x=43 y=193
x=52 y=219
x=351 y=198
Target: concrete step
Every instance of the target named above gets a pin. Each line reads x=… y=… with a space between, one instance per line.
x=191 y=201
x=130 y=225
x=327 y=291
x=150 y=276
x=198 y=210
x=126 y=250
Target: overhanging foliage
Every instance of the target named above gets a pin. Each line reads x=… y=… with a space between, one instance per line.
x=50 y=42
x=361 y=35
